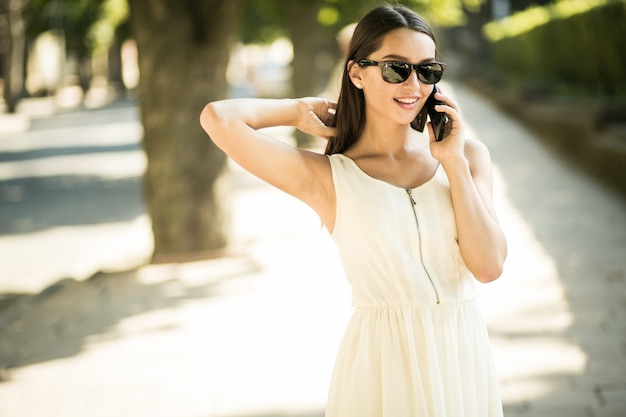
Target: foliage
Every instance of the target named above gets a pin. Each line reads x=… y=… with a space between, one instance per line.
x=564 y=48
x=265 y=20
x=87 y=24
x=262 y=21
x=93 y=24
x=536 y=16
x=444 y=13
x=112 y=14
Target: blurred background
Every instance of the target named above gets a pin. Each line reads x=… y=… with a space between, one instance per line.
x=557 y=64
x=115 y=209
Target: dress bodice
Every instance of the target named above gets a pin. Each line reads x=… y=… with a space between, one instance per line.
x=398 y=246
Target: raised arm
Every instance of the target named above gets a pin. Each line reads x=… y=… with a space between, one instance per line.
x=468 y=166
x=234 y=127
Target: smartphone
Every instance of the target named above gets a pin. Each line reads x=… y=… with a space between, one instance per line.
x=437 y=119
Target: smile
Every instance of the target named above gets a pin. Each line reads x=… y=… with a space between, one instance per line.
x=407 y=100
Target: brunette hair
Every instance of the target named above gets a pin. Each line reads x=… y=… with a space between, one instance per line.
x=367 y=39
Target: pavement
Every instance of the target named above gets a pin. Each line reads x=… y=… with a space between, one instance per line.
x=87 y=328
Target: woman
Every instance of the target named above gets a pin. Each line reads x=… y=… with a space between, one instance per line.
x=413 y=219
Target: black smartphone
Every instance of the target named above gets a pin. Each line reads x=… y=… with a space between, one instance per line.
x=437 y=119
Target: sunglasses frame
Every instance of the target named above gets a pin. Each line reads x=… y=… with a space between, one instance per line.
x=417 y=67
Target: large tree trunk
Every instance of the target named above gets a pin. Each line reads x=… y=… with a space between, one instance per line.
x=13 y=49
x=183 y=49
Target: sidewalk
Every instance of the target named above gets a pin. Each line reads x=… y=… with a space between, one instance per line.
x=558 y=315
x=255 y=335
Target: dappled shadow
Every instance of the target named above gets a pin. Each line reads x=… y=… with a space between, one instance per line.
x=75 y=168
x=37 y=203
x=16 y=156
x=57 y=322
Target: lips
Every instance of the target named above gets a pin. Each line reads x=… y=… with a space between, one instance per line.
x=407 y=100
x=407 y=103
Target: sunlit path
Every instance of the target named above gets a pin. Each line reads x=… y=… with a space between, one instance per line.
x=557 y=315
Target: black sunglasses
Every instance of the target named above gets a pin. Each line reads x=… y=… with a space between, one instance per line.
x=397 y=72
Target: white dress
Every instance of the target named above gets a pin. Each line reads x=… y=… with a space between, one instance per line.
x=417 y=343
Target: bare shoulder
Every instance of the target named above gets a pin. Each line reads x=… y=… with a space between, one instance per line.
x=474 y=148
x=477 y=155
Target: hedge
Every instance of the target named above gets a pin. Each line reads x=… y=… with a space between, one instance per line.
x=573 y=47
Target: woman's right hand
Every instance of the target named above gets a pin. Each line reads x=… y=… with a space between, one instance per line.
x=316 y=116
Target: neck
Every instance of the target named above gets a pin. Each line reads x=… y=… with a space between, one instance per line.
x=386 y=139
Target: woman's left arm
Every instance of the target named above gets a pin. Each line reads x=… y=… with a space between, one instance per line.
x=468 y=166
x=481 y=240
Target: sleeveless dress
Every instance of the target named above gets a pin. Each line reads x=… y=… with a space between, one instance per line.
x=417 y=344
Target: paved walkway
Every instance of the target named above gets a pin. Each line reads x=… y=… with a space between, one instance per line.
x=558 y=315
x=255 y=335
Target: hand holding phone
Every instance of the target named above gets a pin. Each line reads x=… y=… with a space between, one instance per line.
x=438 y=120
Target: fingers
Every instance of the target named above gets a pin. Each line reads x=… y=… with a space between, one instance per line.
x=328 y=132
x=320 y=123
x=329 y=118
x=326 y=113
x=324 y=127
x=447 y=103
x=322 y=109
x=450 y=108
x=454 y=128
x=450 y=111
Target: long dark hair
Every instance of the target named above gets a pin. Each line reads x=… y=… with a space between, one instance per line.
x=367 y=39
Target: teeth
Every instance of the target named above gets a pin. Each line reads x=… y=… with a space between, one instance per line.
x=407 y=100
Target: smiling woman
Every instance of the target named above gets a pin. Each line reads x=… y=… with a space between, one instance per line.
x=412 y=217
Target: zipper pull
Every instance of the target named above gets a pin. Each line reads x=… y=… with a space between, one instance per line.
x=410 y=193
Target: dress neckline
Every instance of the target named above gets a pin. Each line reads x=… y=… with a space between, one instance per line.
x=359 y=169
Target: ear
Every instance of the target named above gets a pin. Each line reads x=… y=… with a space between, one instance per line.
x=354 y=72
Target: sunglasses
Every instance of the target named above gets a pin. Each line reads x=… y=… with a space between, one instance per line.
x=396 y=72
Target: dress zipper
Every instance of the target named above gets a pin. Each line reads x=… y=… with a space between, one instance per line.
x=413 y=203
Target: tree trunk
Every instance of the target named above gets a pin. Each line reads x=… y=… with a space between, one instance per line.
x=183 y=49
x=114 y=70
x=305 y=31
x=13 y=48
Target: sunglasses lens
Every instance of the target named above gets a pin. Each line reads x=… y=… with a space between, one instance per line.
x=398 y=72
x=395 y=72
x=430 y=73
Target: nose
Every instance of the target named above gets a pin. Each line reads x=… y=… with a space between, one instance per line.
x=413 y=78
